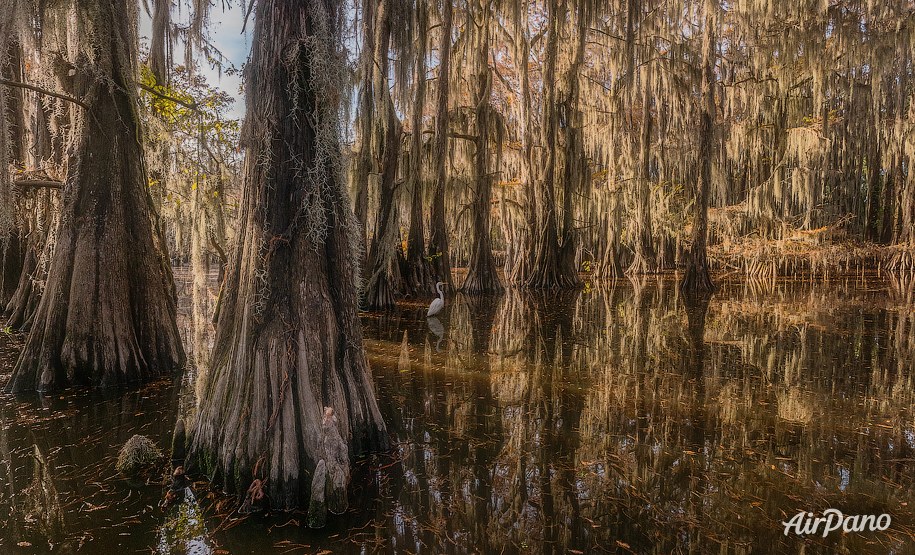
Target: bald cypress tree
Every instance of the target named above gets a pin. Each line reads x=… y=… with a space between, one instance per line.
x=108 y=313
x=289 y=398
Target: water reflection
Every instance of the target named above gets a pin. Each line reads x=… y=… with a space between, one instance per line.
x=60 y=489
x=622 y=418
x=627 y=418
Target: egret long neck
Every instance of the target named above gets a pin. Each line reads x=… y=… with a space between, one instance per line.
x=441 y=295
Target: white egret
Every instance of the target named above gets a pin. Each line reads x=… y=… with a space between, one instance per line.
x=438 y=304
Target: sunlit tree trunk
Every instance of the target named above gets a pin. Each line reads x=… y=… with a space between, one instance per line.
x=385 y=283
x=13 y=245
x=519 y=269
x=576 y=171
x=290 y=400
x=108 y=314
x=160 y=40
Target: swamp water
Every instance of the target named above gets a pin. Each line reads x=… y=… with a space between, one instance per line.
x=617 y=419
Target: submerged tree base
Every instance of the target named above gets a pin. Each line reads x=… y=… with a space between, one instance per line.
x=289 y=396
x=107 y=316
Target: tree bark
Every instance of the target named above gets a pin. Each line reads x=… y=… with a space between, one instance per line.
x=550 y=269
x=438 y=234
x=482 y=274
x=644 y=260
x=385 y=282
x=698 y=279
x=289 y=377
x=12 y=152
x=108 y=313
x=418 y=277
x=366 y=116
x=519 y=269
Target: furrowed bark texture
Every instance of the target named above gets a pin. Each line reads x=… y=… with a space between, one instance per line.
x=107 y=316
x=288 y=339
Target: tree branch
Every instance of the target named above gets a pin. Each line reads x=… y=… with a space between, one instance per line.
x=189 y=105
x=38 y=183
x=40 y=90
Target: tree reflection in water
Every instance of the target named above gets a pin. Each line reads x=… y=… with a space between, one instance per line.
x=619 y=418
x=631 y=418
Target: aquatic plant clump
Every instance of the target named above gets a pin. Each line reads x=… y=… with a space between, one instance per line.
x=137 y=455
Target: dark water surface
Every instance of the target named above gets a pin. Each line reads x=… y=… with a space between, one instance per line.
x=617 y=419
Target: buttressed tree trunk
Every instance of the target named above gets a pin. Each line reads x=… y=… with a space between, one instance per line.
x=482 y=275
x=289 y=398
x=107 y=316
x=698 y=279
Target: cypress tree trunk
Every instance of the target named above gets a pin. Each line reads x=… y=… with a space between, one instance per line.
x=575 y=173
x=520 y=268
x=366 y=116
x=40 y=223
x=546 y=272
x=419 y=278
x=697 y=279
x=160 y=41
x=107 y=316
x=385 y=283
x=482 y=275
x=289 y=399
x=438 y=234
x=12 y=151
x=644 y=260
x=20 y=310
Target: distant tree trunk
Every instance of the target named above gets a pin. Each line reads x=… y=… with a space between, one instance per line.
x=550 y=267
x=895 y=184
x=519 y=269
x=13 y=243
x=365 y=117
x=289 y=398
x=12 y=262
x=698 y=279
x=575 y=173
x=644 y=260
x=482 y=275
x=438 y=234
x=160 y=40
x=419 y=278
x=108 y=313
x=385 y=282
x=39 y=224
